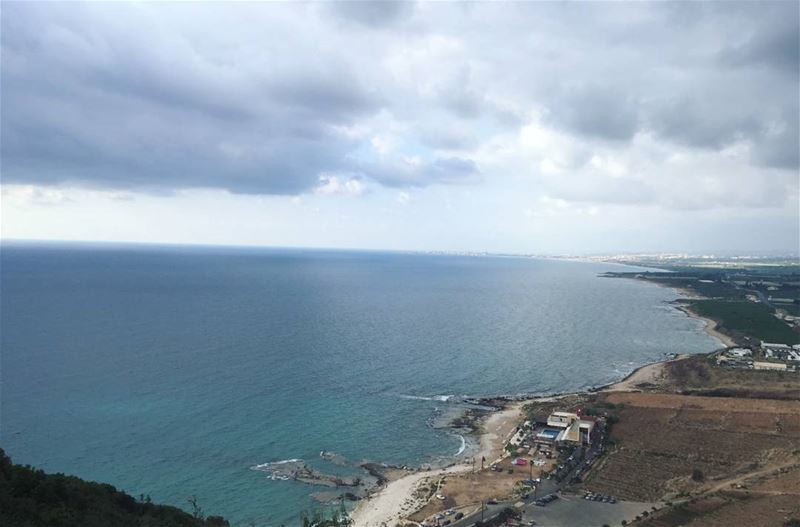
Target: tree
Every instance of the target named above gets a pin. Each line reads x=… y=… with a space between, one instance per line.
x=197 y=511
x=697 y=475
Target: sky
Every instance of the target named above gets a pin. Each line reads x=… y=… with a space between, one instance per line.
x=535 y=127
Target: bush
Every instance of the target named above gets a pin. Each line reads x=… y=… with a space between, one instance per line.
x=697 y=475
x=32 y=498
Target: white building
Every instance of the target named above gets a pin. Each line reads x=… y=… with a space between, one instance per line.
x=572 y=428
x=769 y=366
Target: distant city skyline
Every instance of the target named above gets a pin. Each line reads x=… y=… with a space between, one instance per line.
x=531 y=128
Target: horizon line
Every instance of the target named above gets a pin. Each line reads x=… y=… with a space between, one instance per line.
x=775 y=253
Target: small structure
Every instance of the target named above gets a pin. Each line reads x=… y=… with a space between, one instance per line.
x=769 y=366
x=739 y=353
x=774 y=346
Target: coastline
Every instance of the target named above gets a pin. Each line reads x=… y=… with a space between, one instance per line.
x=646 y=374
x=397 y=499
x=710 y=326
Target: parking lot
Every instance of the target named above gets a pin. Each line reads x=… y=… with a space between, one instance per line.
x=575 y=511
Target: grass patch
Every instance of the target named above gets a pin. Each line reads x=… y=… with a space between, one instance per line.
x=748 y=318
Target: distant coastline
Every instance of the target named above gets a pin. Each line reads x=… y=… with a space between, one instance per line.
x=395 y=499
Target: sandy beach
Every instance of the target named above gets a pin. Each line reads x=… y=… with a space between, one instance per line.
x=710 y=327
x=649 y=373
x=397 y=499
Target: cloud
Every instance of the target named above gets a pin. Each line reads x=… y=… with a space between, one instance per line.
x=595 y=111
x=416 y=172
x=706 y=123
x=375 y=14
x=774 y=44
x=344 y=185
x=31 y=195
x=293 y=98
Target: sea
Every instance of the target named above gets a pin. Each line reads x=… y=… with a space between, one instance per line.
x=172 y=371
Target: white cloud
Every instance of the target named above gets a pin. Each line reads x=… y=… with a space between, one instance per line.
x=341 y=185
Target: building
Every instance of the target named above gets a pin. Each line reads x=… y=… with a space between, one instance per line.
x=739 y=353
x=566 y=428
x=769 y=366
x=561 y=419
x=774 y=346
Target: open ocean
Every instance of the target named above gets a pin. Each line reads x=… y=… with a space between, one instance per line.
x=170 y=371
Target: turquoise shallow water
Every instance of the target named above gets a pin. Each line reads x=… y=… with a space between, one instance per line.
x=171 y=371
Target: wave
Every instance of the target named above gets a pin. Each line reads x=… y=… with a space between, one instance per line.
x=439 y=398
x=267 y=466
x=463 y=446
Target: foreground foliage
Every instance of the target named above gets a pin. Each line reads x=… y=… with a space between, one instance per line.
x=32 y=498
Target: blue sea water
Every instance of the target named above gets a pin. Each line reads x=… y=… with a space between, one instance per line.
x=170 y=371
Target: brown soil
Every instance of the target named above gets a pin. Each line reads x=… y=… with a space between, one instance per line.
x=463 y=491
x=661 y=439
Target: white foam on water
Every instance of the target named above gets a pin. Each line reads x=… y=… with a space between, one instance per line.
x=268 y=466
x=440 y=398
x=463 y=445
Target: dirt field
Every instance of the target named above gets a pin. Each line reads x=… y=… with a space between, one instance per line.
x=662 y=439
x=771 y=498
x=701 y=376
x=471 y=488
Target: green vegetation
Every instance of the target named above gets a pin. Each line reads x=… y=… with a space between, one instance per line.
x=338 y=518
x=747 y=318
x=31 y=498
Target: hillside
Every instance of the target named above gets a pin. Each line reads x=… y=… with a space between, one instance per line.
x=32 y=498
